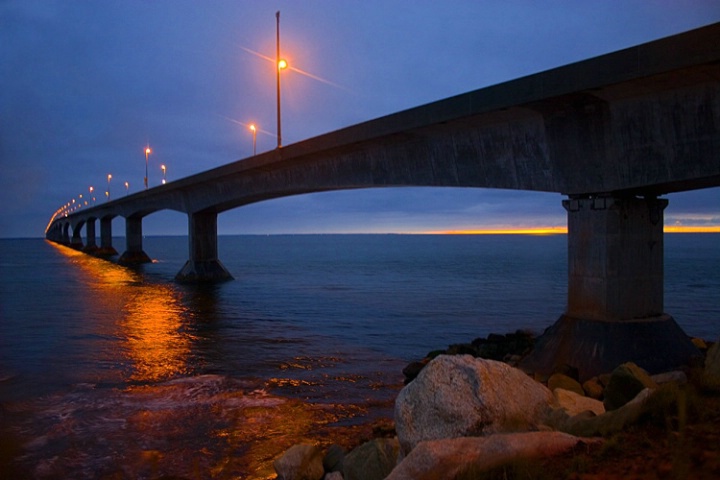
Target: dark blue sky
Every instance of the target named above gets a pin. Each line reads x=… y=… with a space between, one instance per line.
x=85 y=85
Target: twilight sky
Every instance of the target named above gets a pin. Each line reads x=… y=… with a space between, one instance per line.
x=85 y=85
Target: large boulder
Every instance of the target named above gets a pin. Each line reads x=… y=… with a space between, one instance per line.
x=373 y=460
x=300 y=462
x=456 y=457
x=461 y=396
x=626 y=381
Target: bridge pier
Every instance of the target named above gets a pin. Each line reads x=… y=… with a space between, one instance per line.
x=203 y=265
x=134 y=254
x=65 y=235
x=615 y=292
x=76 y=240
x=106 y=249
x=90 y=245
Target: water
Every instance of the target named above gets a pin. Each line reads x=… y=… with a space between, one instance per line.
x=110 y=372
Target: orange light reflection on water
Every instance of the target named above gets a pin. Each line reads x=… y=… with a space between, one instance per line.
x=150 y=316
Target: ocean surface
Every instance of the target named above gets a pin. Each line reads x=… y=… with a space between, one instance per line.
x=112 y=372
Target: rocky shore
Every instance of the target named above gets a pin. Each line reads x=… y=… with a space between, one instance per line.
x=469 y=412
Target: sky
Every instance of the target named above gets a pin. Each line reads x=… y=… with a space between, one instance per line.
x=86 y=85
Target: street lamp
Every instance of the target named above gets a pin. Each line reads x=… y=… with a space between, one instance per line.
x=163 y=169
x=147 y=152
x=254 y=130
x=108 y=190
x=91 y=194
x=280 y=64
x=127 y=188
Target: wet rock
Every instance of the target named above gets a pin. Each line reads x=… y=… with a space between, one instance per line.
x=412 y=370
x=626 y=381
x=333 y=459
x=451 y=458
x=559 y=380
x=574 y=403
x=458 y=396
x=373 y=460
x=300 y=462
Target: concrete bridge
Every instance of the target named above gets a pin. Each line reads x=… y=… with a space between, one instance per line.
x=612 y=134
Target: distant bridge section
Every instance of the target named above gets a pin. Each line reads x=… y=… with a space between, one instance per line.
x=611 y=133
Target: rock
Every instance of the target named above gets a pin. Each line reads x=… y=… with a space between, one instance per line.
x=699 y=343
x=676 y=376
x=500 y=347
x=333 y=459
x=560 y=380
x=609 y=423
x=712 y=367
x=453 y=457
x=593 y=388
x=412 y=370
x=300 y=462
x=373 y=460
x=568 y=371
x=626 y=381
x=574 y=404
x=333 y=476
x=460 y=396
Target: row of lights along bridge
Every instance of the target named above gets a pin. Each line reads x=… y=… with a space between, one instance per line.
x=80 y=202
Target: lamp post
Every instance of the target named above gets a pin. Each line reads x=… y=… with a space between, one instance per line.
x=127 y=188
x=91 y=194
x=163 y=169
x=108 y=190
x=280 y=64
x=147 y=152
x=253 y=129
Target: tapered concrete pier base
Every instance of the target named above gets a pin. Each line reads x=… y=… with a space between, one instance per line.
x=615 y=292
x=203 y=265
x=656 y=344
x=211 y=271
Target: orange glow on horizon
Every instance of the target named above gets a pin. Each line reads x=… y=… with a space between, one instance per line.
x=563 y=230
x=691 y=229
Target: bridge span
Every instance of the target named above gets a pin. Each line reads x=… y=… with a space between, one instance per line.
x=611 y=133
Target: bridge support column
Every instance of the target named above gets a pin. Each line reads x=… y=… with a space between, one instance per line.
x=203 y=265
x=90 y=245
x=65 y=235
x=76 y=240
x=134 y=253
x=106 y=248
x=615 y=292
